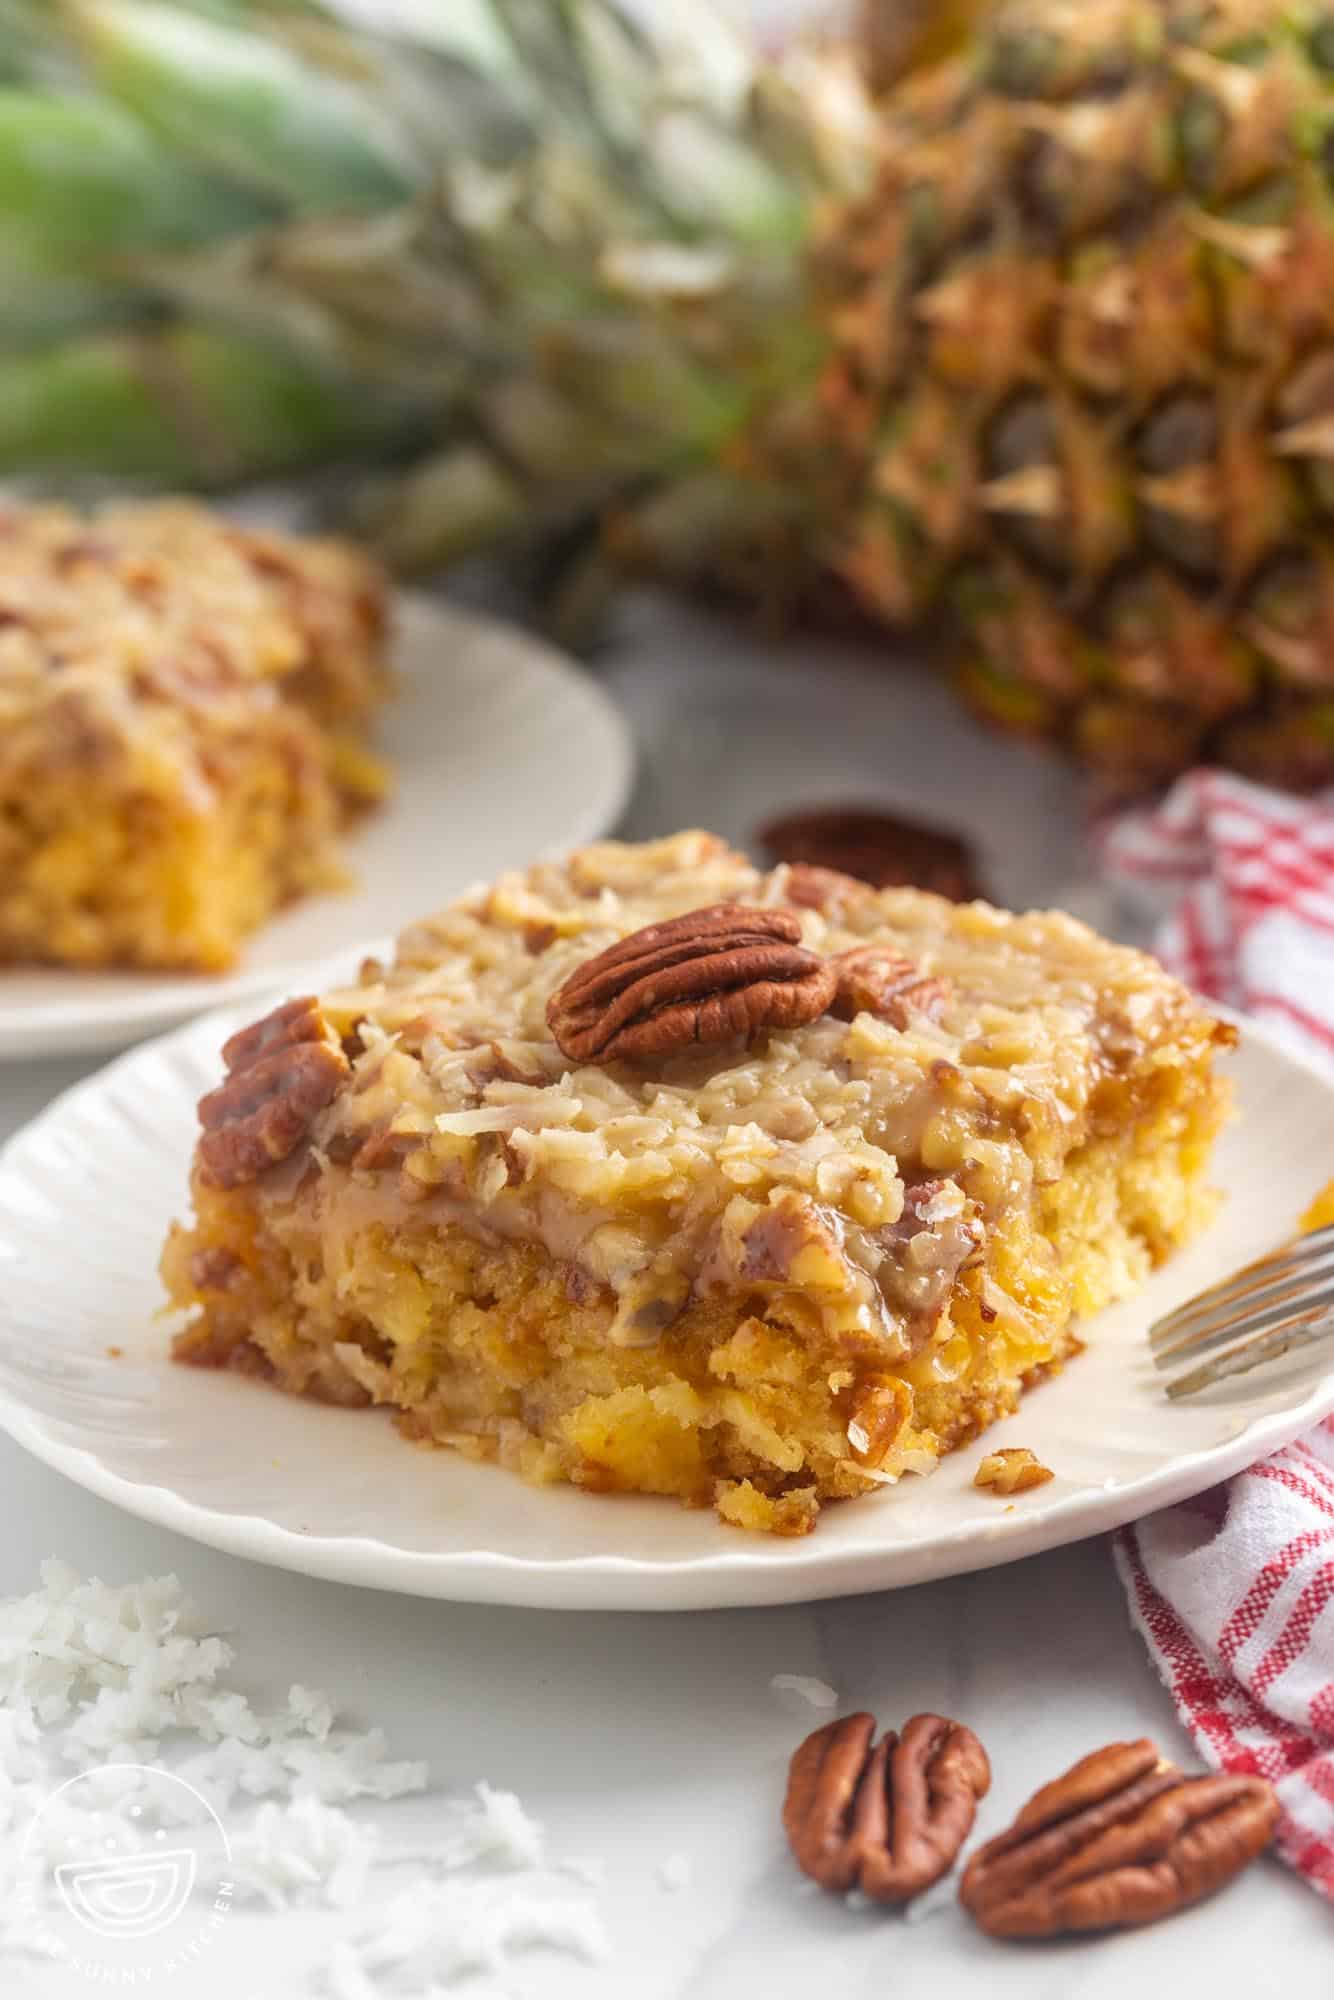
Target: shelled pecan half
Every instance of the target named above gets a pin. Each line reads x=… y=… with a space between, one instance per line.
x=706 y=976
x=281 y=1072
x=876 y=979
x=1123 y=1838
x=890 y=1819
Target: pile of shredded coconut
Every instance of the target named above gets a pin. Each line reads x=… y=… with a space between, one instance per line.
x=95 y=1676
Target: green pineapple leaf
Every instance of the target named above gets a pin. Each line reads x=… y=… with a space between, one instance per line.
x=248 y=105
x=181 y=406
x=80 y=177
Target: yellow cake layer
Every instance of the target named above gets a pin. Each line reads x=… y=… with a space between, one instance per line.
x=495 y=1351
x=184 y=713
x=557 y=1267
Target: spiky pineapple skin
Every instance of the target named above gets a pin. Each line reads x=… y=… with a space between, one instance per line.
x=1084 y=367
x=905 y=35
x=1068 y=371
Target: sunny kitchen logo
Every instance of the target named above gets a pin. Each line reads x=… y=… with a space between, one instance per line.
x=126 y=1876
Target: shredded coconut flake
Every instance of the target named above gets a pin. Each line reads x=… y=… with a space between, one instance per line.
x=456 y=1929
x=818 y=1693
x=95 y=1677
x=301 y=1851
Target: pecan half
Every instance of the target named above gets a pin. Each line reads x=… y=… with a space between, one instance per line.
x=888 y=1820
x=281 y=1072
x=704 y=977
x=876 y=847
x=1123 y=1838
x=876 y=979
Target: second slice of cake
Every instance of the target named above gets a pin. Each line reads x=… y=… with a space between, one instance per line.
x=186 y=708
x=651 y=1171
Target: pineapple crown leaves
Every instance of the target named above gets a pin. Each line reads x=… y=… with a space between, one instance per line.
x=80 y=177
x=420 y=203
x=250 y=108
x=182 y=405
x=307 y=114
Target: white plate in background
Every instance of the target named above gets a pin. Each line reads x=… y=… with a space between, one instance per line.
x=501 y=749
x=86 y=1195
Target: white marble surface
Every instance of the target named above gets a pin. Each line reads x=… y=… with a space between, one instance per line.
x=635 y=1737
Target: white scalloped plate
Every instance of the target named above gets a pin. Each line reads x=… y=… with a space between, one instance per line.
x=87 y=1191
x=501 y=749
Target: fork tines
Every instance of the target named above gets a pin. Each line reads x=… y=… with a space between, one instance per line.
x=1282 y=1301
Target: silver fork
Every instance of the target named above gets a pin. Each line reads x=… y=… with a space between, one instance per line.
x=1282 y=1301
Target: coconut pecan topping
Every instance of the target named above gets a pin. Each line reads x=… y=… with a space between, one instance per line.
x=874 y=979
x=708 y=976
x=1123 y=1838
x=281 y=1072
x=888 y=1820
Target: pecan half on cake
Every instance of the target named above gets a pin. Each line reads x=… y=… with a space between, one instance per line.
x=653 y=1171
x=185 y=710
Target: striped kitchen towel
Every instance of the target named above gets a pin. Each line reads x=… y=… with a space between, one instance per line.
x=1240 y=882
x=1234 y=1592
x=1234 y=1596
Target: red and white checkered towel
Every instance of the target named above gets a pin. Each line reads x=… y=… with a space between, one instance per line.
x=1242 y=882
x=1234 y=1596
x=1234 y=1592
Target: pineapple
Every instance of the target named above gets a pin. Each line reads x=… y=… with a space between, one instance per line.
x=1039 y=357
x=904 y=35
x=1085 y=330
x=535 y=256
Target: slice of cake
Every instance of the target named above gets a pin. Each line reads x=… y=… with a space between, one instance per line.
x=184 y=712
x=651 y=1171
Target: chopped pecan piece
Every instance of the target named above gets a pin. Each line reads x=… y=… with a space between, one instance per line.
x=707 y=976
x=580 y=1288
x=874 y=979
x=281 y=1072
x=823 y=889
x=1123 y=1838
x=876 y=847
x=300 y=1020
x=384 y=1148
x=1014 y=1469
x=888 y=1820
x=493 y=1064
x=937 y=1234
x=882 y=1407
x=792 y=1232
